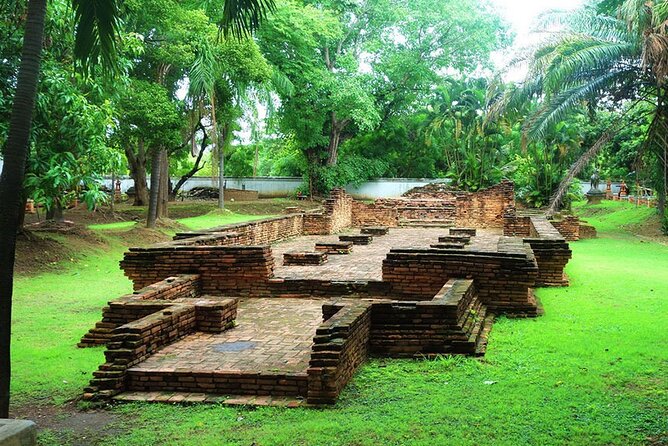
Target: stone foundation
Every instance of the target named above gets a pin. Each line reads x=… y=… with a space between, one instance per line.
x=428 y=301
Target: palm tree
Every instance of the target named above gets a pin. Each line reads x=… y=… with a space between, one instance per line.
x=615 y=50
x=95 y=41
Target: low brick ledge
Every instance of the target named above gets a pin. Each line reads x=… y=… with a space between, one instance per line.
x=334 y=247
x=375 y=230
x=363 y=239
x=466 y=239
x=448 y=245
x=471 y=232
x=304 y=258
x=187 y=398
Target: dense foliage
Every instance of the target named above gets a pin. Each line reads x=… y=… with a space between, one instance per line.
x=340 y=92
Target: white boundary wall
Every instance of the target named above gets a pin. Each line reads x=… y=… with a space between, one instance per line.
x=273 y=187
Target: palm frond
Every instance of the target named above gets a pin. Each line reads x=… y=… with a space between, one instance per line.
x=580 y=58
x=243 y=17
x=281 y=83
x=562 y=103
x=579 y=165
x=203 y=73
x=97 y=27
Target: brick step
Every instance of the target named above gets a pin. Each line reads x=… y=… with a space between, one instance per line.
x=362 y=239
x=450 y=245
x=483 y=334
x=445 y=207
x=465 y=239
x=220 y=382
x=334 y=247
x=471 y=232
x=211 y=398
x=304 y=258
x=427 y=223
x=375 y=230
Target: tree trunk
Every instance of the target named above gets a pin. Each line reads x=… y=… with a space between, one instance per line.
x=255 y=160
x=196 y=168
x=55 y=213
x=221 y=176
x=137 y=164
x=155 y=186
x=337 y=127
x=11 y=181
x=163 y=188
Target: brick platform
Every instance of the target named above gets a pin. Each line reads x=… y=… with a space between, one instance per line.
x=304 y=258
x=471 y=232
x=362 y=239
x=266 y=353
x=375 y=230
x=303 y=327
x=465 y=239
x=334 y=247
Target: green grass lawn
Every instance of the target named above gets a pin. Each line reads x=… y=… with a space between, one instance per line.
x=217 y=218
x=592 y=371
x=209 y=220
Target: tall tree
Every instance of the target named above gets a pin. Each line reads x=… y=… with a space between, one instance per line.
x=96 y=32
x=614 y=51
x=355 y=65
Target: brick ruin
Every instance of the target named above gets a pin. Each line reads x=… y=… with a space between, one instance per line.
x=229 y=291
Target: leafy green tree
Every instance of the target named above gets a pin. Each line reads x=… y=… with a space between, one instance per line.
x=474 y=151
x=614 y=50
x=96 y=32
x=356 y=65
x=71 y=150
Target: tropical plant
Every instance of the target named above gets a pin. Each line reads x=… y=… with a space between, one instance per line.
x=475 y=151
x=97 y=25
x=613 y=51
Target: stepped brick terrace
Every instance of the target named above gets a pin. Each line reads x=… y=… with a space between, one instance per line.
x=285 y=310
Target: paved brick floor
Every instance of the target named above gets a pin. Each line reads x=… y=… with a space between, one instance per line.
x=276 y=334
x=272 y=335
x=365 y=262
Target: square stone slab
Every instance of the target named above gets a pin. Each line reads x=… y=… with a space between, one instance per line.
x=17 y=433
x=334 y=247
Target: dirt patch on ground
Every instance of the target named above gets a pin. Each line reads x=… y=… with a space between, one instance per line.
x=67 y=425
x=83 y=216
x=649 y=230
x=47 y=247
x=139 y=236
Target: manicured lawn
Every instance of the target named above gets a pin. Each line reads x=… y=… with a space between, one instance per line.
x=210 y=220
x=217 y=218
x=592 y=371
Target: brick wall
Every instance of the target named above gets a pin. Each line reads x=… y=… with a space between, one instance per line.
x=452 y=322
x=502 y=278
x=483 y=209
x=139 y=304
x=486 y=208
x=226 y=270
x=420 y=209
x=219 y=382
x=515 y=225
x=551 y=251
x=257 y=232
x=340 y=347
x=374 y=215
x=586 y=230
x=134 y=342
x=335 y=216
x=568 y=227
